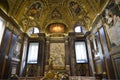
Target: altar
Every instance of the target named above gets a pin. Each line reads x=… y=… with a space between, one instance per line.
x=69 y=78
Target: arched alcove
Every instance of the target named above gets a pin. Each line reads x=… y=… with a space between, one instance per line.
x=56 y=28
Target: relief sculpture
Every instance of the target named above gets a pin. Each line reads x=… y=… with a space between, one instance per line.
x=57 y=52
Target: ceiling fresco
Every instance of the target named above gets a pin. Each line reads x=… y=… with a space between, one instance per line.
x=42 y=13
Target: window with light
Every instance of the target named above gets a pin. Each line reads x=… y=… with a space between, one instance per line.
x=2 y=27
x=81 y=53
x=33 y=53
x=78 y=29
x=33 y=30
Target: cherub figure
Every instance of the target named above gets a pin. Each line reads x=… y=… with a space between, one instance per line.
x=51 y=63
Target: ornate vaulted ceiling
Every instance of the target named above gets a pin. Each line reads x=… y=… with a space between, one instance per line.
x=42 y=13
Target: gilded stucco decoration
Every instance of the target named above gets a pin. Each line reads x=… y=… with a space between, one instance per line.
x=56 y=14
x=31 y=16
x=41 y=13
x=84 y=22
x=28 y=23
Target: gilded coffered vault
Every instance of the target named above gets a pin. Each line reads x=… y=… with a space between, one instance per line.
x=42 y=13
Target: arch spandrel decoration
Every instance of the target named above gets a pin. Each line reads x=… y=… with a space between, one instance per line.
x=55 y=14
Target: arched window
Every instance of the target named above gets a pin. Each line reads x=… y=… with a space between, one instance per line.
x=33 y=30
x=79 y=29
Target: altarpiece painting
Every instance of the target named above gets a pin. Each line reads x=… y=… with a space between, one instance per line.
x=57 y=52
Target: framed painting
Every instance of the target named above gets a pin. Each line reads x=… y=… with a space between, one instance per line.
x=12 y=44
x=57 y=52
x=17 y=47
x=16 y=51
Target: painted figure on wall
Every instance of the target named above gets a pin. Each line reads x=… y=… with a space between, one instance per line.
x=34 y=10
x=75 y=7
